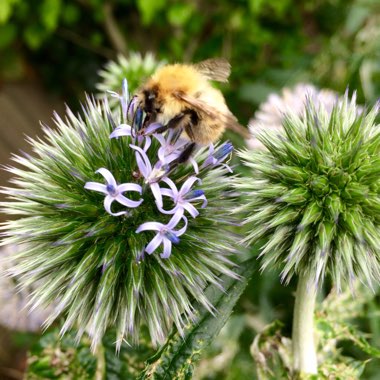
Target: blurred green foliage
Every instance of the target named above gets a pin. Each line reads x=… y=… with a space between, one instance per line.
x=333 y=43
x=52 y=358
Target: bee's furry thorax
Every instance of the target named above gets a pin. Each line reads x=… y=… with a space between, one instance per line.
x=181 y=96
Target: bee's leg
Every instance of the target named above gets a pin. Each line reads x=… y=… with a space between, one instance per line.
x=187 y=121
x=162 y=129
x=181 y=121
x=183 y=157
x=149 y=119
x=186 y=153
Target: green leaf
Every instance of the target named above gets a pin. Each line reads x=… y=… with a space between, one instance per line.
x=63 y=358
x=70 y=14
x=177 y=357
x=255 y=6
x=6 y=9
x=50 y=11
x=272 y=353
x=149 y=9
x=356 y=17
x=8 y=34
x=331 y=329
x=53 y=357
x=179 y=14
x=129 y=362
x=34 y=35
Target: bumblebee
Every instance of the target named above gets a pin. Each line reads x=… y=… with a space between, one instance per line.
x=180 y=96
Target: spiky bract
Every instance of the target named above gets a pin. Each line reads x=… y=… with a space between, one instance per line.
x=13 y=312
x=92 y=264
x=314 y=195
x=135 y=67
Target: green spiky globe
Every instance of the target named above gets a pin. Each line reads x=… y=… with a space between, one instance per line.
x=136 y=67
x=313 y=196
x=91 y=264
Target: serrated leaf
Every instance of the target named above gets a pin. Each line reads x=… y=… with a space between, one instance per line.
x=53 y=357
x=331 y=329
x=177 y=357
x=272 y=353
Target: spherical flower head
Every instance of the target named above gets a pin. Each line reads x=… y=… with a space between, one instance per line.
x=113 y=237
x=136 y=67
x=314 y=195
x=13 y=312
x=272 y=112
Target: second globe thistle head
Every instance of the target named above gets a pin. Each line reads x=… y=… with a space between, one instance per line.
x=271 y=114
x=135 y=66
x=110 y=236
x=314 y=195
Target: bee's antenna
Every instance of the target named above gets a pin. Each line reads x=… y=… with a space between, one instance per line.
x=169 y=168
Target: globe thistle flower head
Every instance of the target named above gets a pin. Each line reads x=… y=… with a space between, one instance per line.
x=111 y=236
x=271 y=114
x=135 y=66
x=314 y=194
x=13 y=313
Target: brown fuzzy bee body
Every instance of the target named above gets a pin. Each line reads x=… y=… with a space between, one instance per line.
x=181 y=96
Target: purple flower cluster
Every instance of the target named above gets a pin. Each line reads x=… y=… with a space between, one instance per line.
x=155 y=177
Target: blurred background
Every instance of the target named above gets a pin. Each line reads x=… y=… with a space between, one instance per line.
x=51 y=54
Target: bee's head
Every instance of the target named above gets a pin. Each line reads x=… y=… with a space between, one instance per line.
x=149 y=100
x=156 y=95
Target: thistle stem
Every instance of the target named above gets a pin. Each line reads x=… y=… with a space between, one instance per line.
x=101 y=363
x=304 y=352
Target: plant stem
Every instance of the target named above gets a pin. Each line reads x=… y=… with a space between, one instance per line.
x=304 y=352
x=101 y=363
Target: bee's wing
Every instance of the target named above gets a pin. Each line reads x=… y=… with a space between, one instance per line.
x=228 y=119
x=217 y=69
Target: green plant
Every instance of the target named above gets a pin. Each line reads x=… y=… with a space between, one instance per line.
x=134 y=66
x=112 y=232
x=313 y=199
